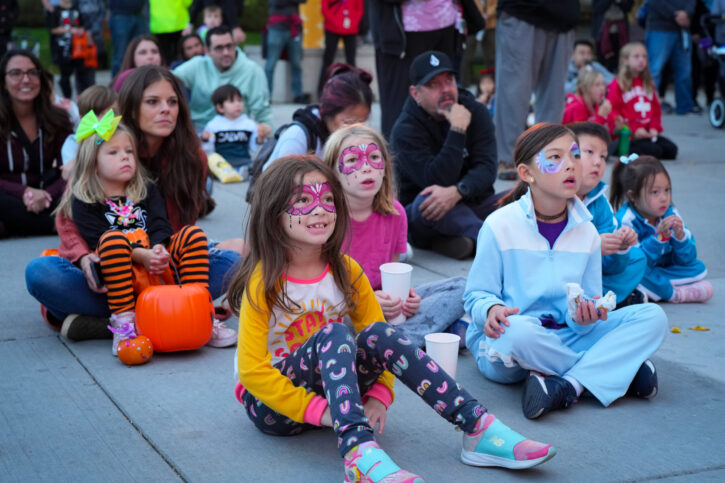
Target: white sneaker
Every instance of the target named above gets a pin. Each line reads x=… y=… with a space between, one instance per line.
x=123 y=326
x=222 y=336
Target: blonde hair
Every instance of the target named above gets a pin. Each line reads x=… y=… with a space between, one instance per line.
x=586 y=79
x=384 y=198
x=625 y=76
x=86 y=186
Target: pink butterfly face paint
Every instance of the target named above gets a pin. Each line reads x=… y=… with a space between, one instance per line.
x=304 y=201
x=353 y=158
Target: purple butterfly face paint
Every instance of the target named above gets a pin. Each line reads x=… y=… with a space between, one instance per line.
x=364 y=154
x=310 y=197
x=551 y=166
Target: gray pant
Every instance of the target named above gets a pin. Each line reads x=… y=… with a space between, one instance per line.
x=528 y=59
x=440 y=306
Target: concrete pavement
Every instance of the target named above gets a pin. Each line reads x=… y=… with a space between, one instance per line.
x=72 y=412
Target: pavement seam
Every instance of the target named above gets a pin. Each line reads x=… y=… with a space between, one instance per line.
x=125 y=415
x=675 y=474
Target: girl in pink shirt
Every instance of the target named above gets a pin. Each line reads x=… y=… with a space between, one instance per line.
x=378 y=232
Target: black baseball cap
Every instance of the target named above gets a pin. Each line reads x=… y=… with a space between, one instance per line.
x=428 y=65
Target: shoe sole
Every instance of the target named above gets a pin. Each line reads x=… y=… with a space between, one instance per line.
x=472 y=458
x=221 y=343
x=533 y=409
x=71 y=328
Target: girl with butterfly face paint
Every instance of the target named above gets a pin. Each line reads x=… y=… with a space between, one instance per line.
x=299 y=366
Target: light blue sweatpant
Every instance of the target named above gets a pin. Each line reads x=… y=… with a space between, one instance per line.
x=660 y=282
x=624 y=282
x=604 y=360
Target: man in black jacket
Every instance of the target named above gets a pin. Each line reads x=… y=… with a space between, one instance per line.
x=444 y=147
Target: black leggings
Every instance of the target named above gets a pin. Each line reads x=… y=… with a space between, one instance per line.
x=663 y=148
x=331 y=41
x=17 y=220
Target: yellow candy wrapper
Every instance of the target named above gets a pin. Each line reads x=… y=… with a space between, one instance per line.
x=699 y=328
x=675 y=330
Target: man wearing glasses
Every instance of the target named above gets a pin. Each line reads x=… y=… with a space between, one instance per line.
x=224 y=63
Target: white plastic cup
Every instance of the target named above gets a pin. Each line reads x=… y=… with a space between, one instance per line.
x=442 y=347
x=395 y=278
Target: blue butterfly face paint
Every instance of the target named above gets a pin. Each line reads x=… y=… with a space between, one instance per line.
x=552 y=166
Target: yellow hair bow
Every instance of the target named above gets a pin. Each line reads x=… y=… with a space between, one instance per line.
x=90 y=125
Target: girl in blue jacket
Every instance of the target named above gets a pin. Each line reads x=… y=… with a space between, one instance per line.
x=527 y=252
x=641 y=189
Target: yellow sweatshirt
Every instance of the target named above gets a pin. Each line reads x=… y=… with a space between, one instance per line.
x=268 y=336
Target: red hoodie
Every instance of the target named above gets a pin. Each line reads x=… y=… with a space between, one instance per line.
x=576 y=110
x=342 y=17
x=637 y=107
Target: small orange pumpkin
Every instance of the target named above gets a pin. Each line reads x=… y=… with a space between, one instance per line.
x=133 y=352
x=175 y=317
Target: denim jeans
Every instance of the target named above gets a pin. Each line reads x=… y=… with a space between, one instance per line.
x=123 y=29
x=279 y=38
x=663 y=46
x=62 y=288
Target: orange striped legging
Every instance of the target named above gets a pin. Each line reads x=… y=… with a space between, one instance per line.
x=189 y=252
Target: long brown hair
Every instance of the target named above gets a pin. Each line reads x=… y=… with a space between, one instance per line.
x=531 y=141
x=128 y=56
x=383 y=201
x=269 y=244
x=177 y=167
x=51 y=119
x=630 y=178
x=625 y=76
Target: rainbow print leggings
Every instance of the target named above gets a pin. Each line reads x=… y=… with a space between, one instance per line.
x=335 y=364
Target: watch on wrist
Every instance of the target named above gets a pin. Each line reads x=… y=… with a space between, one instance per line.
x=462 y=189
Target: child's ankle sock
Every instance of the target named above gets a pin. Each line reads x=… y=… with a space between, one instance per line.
x=576 y=384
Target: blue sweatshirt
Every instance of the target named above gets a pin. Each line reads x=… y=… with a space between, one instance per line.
x=605 y=222
x=659 y=252
x=515 y=266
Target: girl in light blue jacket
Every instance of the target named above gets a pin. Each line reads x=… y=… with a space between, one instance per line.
x=527 y=252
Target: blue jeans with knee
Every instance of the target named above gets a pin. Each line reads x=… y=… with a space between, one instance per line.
x=279 y=38
x=464 y=219
x=52 y=279
x=123 y=29
x=663 y=46
x=321 y=365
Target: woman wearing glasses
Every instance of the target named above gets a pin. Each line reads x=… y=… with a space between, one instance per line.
x=32 y=131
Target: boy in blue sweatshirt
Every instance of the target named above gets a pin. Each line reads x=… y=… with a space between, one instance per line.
x=623 y=263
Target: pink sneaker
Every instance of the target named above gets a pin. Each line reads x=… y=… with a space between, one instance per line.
x=694 y=292
x=367 y=463
x=222 y=336
x=493 y=443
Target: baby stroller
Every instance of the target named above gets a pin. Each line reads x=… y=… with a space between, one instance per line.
x=714 y=46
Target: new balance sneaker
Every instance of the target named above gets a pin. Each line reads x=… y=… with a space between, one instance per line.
x=694 y=292
x=644 y=384
x=222 y=336
x=544 y=394
x=493 y=443
x=368 y=463
x=79 y=327
x=123 y=326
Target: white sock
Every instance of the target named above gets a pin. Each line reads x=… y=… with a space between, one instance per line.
x=577 y=385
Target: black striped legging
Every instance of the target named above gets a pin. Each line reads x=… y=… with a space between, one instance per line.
x=189 y=255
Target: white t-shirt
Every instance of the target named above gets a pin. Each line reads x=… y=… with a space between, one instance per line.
x=233 y=138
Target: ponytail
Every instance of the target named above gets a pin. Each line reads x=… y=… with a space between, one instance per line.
x=630 y=177
x=517 y=192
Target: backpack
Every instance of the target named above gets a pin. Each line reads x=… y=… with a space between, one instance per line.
x=265 y=151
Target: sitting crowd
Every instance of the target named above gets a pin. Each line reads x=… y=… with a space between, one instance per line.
x=332 y=201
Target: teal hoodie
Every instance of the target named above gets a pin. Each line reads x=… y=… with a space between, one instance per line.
x=202 y=77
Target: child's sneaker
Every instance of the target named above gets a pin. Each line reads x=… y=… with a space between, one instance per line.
x=644 y=384
x=79 y=327
x=222 y=336
x=367 y=463
x=694 y=292
x=636 y=297
x=493 y=443
x=542 y=394
x=123 y=326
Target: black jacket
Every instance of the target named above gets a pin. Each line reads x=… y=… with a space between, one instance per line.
x=426 y=152
x=386 y=26
x=554 y=15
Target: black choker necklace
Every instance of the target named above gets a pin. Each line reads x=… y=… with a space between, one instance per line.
x=542 y=217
